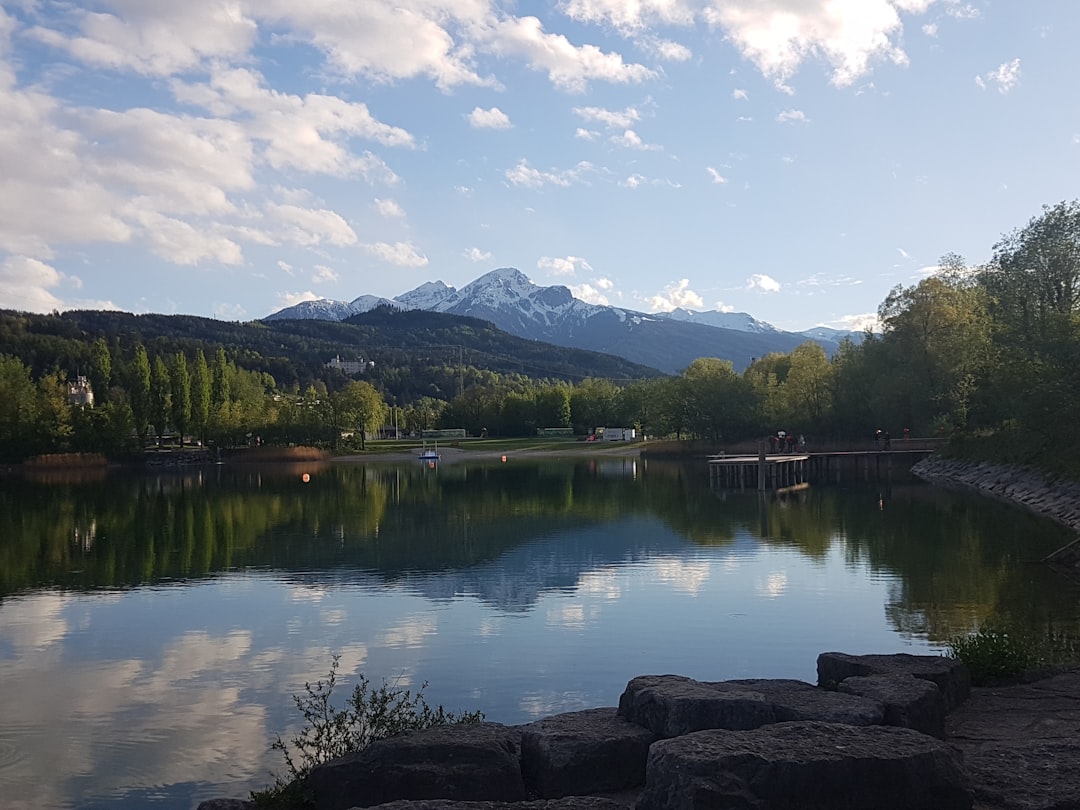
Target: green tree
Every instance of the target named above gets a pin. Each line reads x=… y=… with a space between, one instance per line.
x=719 y=400
x=100 y=371
x=359 y=407
x=160 y=398
x=200 y=394
x=180 y=389
x=139 y=391
x=18 y=409
x=594 y=404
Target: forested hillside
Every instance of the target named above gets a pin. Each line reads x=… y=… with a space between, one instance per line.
x=988 y=356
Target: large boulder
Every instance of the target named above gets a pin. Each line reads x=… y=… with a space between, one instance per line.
x=672 y=705
x=472 y=762
x=949 y=674
x=591 y=751
x=574 y=803
x=804 y=766
x=909 y=702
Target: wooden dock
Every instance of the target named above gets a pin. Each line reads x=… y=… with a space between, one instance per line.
x=782 y=471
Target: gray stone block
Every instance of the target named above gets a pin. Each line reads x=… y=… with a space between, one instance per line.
x=804 y=766
x=909 y=702
x=949 y=674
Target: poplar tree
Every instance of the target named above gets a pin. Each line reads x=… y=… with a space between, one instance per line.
x=180 y=387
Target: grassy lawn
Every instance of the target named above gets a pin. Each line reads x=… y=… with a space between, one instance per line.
x=538 y=443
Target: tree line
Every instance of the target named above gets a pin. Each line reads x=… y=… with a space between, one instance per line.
x=986 y=353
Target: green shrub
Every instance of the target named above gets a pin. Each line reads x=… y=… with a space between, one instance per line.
x=369 y=714
x=993 y=654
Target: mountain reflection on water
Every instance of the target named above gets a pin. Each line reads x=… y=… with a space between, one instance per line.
x=153 y=627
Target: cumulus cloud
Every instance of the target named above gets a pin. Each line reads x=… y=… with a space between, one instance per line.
x=311 y=226
x=401 y=254
x=675 y=295
x=25 y=285
x=665 y=49
x=631 y=140
x=290 y=299
x=475 y=254
x=589 y=294
x=792 y=116
x=562 y=267
x=489 y=119
x=762 y=282
x=715 y=176
x=1005 y=77
x=525 y=175
x=613 y=119
x=389 y=208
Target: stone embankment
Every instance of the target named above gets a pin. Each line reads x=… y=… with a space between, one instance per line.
x=868 y=736
x=1053 y=497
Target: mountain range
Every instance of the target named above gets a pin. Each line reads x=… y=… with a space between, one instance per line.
x=667 y=341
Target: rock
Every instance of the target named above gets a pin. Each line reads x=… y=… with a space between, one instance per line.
x=592 y=751
x=671 y=705
x=949 y=674
x=472 y=762
x=909 y=702
x=804 y=766
x=1019 y=743
x=573 y=803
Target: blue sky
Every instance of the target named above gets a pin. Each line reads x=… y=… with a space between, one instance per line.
x=794 y=159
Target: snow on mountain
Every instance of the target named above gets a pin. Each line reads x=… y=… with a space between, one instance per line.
x=507 y=298
x=741 y=321
x=428 y=295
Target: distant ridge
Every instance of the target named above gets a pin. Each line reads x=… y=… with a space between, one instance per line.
x=506 y=297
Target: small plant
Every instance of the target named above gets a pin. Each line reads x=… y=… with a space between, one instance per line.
x=992 y=654
x=369 y=714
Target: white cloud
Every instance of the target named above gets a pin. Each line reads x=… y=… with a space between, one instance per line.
x=789 y=116
x=613 y=119
x=903 y=253
x=583 y=134
x=630 y=16
x=589 y=294
x=402 y=254
x=311 y=226
x=665 y=49
x=25 y=285
x=285 y=267
x=777 y=36
x=181 y=242
x=760 y=281
x=740 y=95
x=562 y=267
x=525 y=175
x=476 y=255
x=930 y=29
x=857 y=323
x=289 y=299
x=389 y=208
x=715 y=176
x=631 y=140
x=964 y=12
x=489 y=119
x=323 y=274
x=675 y=295
x=568 y=67
x=1006 y=76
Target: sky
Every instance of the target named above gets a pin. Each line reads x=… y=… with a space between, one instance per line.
x=793 y=159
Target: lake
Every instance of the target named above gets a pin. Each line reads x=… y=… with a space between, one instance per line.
x=154 y=627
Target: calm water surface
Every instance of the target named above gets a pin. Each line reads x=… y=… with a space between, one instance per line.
x=154 y=628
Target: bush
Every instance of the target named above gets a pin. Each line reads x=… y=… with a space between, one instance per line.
x=993 y=654
x=369 y=714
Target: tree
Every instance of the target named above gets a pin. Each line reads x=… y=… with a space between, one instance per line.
x=18 y=409
x=808 y=389
x=593 y=404
x=100 y=371
x=160 y=397
x=718 y=398
x=358 y=406
x=200 y=394
x=139 y=391
x=180 y=388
